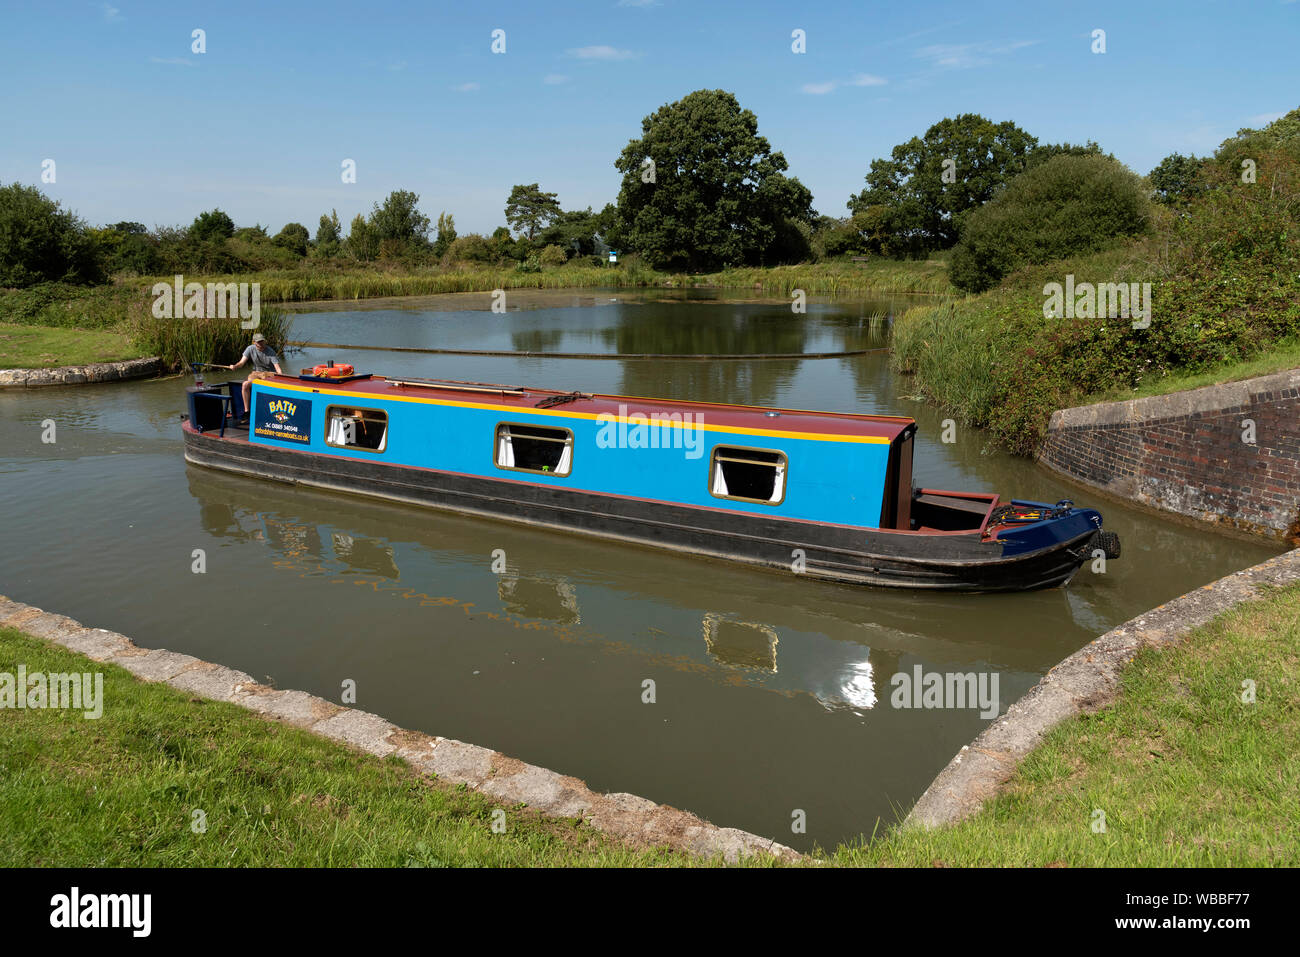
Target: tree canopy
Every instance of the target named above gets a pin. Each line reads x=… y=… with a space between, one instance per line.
x=400 y=219
x=212 y=226
x=529 y=209
x=1176 y=179
x=39 y=241
x=916 y=200
x=702 y=189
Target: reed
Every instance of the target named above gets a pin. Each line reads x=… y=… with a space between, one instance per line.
x=839 y=278
x=825 y=279
x=179 y=341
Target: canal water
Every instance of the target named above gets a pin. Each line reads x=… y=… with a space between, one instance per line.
x=772 y=695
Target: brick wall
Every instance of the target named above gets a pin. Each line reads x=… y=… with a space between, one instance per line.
x=1189 y=452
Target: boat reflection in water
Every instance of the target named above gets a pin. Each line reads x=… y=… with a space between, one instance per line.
x=790 y=638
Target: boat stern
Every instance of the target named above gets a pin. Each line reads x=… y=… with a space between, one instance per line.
x=1024 y=526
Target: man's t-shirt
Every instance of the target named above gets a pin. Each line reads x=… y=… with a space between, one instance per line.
x=262 y=361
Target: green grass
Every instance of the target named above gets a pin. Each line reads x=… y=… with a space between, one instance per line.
x=46 y=347
x=1186 y=773
x=120 y=791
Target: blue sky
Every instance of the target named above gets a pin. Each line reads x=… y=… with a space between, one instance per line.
x=142 y=128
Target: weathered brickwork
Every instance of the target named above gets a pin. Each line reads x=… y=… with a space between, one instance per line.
x=1192 y=452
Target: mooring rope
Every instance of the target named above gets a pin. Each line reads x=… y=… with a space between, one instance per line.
x=594 y=355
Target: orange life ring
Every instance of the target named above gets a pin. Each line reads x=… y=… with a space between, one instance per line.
x=333 y=372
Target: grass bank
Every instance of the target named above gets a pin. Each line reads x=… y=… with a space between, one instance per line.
x=47 y=347
x=1225 y=293
x=120 y=791
x=1185 y=772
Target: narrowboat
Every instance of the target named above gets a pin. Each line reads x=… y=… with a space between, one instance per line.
x=827 y=495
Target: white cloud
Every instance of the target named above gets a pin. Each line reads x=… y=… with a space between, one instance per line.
x=600 y=53
x=398 y=66
x=555 y=79
x=111 y=13
x=466 y=87
x=859 y=79
x=964 y=56
x=173 y=60
x=953 y=56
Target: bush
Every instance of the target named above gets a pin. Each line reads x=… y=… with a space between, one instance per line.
x=553 y=256
x=212 y=225
x=128 y=248
x=1176 y=179
x=471 y=248
x=1225 y=278
x=1066 y=206
x=40 y=242
x=293 y=237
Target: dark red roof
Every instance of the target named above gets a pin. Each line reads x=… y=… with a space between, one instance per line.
x=527 y=398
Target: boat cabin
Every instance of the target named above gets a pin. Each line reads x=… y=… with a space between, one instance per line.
x=827 y=467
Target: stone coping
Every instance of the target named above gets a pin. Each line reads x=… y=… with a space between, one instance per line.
x=78 y=375
x=635 y=820
x=1210 y=398
x=1086 y=681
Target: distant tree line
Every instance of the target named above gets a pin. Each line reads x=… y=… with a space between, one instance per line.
x=700 y=190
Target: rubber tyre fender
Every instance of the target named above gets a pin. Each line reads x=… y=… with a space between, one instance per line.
x=1108 y=542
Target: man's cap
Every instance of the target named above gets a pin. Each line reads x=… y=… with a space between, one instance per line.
x=258 y=337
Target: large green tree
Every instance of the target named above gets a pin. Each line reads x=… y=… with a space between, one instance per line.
x=529 y=209
x=702 y=189
x=928 y=185
x=400 y=219
x=39 y=241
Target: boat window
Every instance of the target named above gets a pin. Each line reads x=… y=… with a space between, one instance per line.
x=750 y=475
x=350 y=428
x=532 y=448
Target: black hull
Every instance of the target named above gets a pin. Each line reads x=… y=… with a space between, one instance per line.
x=949 y=562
